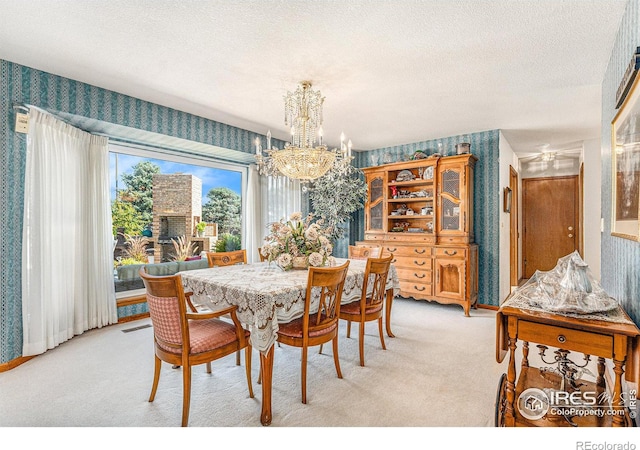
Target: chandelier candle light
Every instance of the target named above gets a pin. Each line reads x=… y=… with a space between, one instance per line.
x=299 y=159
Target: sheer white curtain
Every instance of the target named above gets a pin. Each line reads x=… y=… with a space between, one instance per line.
x=280 y=197
x=67 y=272
x=253 y=216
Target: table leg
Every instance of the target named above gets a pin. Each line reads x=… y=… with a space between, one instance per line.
x=510 y=417
x=600 y=381
x=387 y=317
x=266 y=372
x=617 y=403
x=525 y=354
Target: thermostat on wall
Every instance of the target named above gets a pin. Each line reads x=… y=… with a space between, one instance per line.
x=22 y=123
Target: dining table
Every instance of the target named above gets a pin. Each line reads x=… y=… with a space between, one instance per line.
x=267 y=296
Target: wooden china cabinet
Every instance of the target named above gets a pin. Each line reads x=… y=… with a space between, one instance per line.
x=422 y=212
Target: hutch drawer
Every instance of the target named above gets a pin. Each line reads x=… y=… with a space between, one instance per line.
x=451 y=252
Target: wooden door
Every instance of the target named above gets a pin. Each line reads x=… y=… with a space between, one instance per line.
x=374 y=206
x=450 y=279
x=549 y=212
x=450 y=189
x=513 y=227
x=454 y=206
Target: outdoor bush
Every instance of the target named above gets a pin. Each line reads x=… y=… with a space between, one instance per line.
x=228 y=242
x=184 y=248
x=128 y=262
x=136 y=247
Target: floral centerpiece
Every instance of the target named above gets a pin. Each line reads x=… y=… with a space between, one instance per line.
x=298 y=243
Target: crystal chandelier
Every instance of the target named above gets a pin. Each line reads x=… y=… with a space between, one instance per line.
x=299 y=159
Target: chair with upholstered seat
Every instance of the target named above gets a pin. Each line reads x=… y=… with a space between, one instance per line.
x=321 y=325
x=364 y=252
x=187 y=339
x=370 y=306
x=227 y=258
x=263 y=258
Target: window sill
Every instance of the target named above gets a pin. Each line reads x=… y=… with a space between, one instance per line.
x=128 y=294
x=132 y=297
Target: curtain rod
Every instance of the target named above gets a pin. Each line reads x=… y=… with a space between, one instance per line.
x=20 y=107
x=124 y=142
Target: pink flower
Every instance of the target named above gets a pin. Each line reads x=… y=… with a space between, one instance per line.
x=284 y=260
x=316 y=259
x=297 y=237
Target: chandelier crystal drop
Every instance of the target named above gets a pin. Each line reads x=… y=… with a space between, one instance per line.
x=300 y=159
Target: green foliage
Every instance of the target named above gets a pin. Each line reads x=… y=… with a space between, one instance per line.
x=200 y=226
x=139 y=190
x=228 y=242
x=124 y=215
x=336 y=195
x=224 y=208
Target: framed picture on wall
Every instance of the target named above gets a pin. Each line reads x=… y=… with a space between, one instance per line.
x=506 y=199
x=625 y=165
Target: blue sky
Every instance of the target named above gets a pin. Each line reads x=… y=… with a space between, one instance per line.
x=211 y=178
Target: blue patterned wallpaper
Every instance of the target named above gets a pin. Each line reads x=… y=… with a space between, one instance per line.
x=486 y=216
x=20 y=84
x=620 y=258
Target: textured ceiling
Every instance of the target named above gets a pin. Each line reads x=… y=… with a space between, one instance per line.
x=392 y=72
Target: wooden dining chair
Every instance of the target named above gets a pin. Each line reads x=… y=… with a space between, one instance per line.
x=227 y=258
x=263 y=258
x=370 y=306
x=319 y=326
x=187 y=339
x=364 y=252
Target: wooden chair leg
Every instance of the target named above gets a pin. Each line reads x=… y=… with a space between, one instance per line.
x=156 y=378
x=335 y=356
x=238 y=358
x=361 y=343
x=186 y=393
x=320 y=349
x=247 y=363
x=381 y=335
x=348 y=328
x=303 y=371
x=208 y=367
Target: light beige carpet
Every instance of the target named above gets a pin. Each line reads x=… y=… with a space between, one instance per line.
x=439 y=371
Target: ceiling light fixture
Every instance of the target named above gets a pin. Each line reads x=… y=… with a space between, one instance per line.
x=548 y=156
x=300 y=159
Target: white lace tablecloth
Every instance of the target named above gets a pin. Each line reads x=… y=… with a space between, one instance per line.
x=266 y=295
